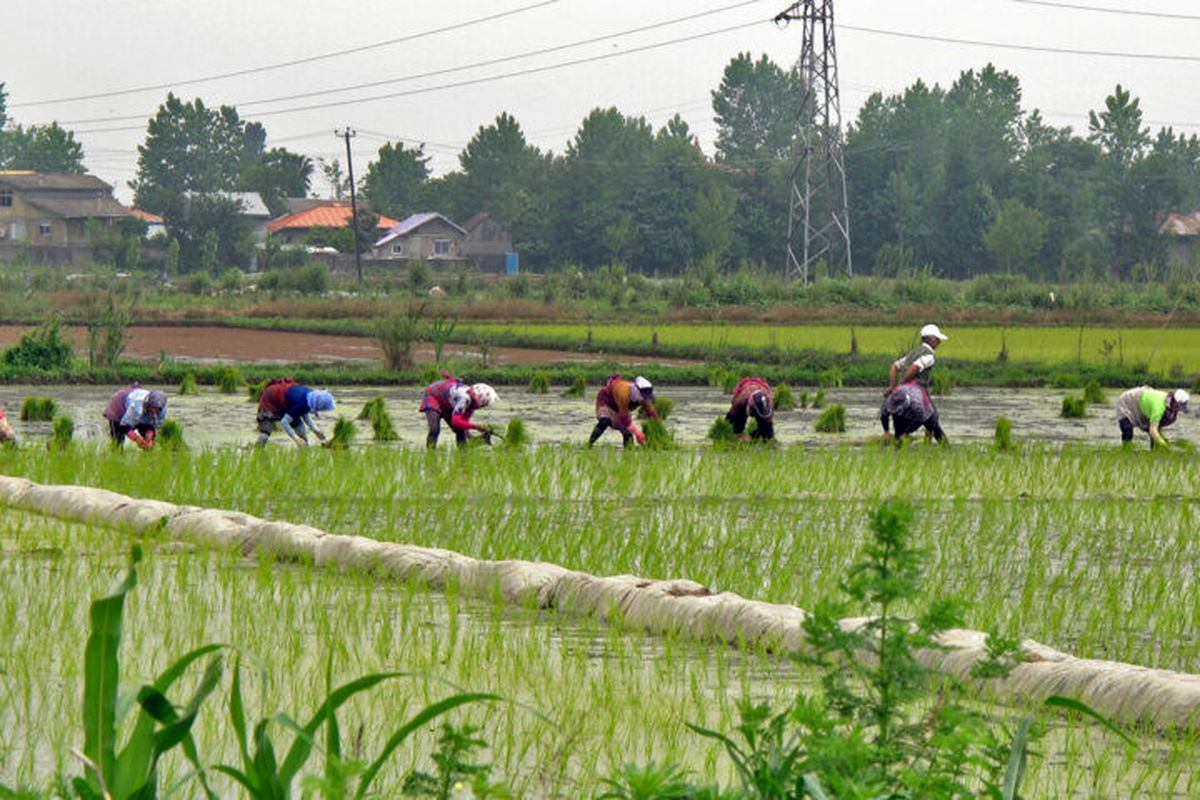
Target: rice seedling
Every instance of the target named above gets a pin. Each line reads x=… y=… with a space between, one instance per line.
x=658 y=437
x=375 y=411
x=170 y=435
x=38 y=409
x=343 y=434
x=578 y=387
x=804 y=400
x=729 y=382
x=254 y=390
x=942 y=383
x=832 y=420
x=187 y=384
x=818 y=400
x=229 y=379
x=831 y=378
x=515 y=434
x=1002 y=441
x=721 y=432
x=539 y=383
x=1093 y=394
x=784 y=399
x=1073 y=407
x=64 y=430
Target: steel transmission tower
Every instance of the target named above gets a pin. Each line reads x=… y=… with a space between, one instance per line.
x=818 y=214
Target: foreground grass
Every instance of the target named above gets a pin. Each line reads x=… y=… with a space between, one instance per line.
x=1088 y=550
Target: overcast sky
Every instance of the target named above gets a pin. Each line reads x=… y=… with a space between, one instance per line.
x=435 y=72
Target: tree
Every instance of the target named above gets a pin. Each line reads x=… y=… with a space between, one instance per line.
x=230 y=244
x=755 y=109
x=188 y=148
x=339 y=184
x=277 y=174
x=394 y=182
x=1016 y=236
x=497 y=164
x=42 y=148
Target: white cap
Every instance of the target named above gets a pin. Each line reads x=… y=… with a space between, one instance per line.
x=934 y=331
x=484 y=395
x=1182 y=397
x=642 y=384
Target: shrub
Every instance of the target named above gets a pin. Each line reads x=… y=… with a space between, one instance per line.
x=784 y=400
x=42 y=348
x=397 y=335
x=1003 y=437
x=515 y=434
x=1093 y=394
x=578 y=387
x=170 y=435
x=38 y=409
x=539 y=383
x=188 y=384
x=833 y=420
x=1073 y=407
x=228 y=379
x=64 y=430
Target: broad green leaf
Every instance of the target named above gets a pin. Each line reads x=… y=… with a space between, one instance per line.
x=1015 y=772
x=1083 y=708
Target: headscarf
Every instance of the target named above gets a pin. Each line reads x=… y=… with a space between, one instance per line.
x=320 y=400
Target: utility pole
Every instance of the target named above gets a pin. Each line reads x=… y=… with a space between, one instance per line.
x=818 y=213
x=347 y=134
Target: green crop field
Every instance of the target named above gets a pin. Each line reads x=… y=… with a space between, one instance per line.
x=1088 y=550
x=1158 y=348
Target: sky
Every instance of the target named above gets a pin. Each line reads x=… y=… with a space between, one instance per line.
x=434 y=73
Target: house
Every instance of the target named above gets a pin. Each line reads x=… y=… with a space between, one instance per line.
x=1183 y=232
x=154 y=223
x=48 y=214
x=428 y=236
x=488 y=243
x=293 y=228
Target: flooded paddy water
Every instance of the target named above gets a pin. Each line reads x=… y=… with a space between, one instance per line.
x=968 y=414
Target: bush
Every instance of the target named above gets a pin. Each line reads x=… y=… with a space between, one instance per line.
x=833 y=420
x=170 y=435
x=1093 y=394
x=64 y=430
x=540 y=383
x=784 y=400
x=228 y=379
x=1003 y=437
x=397 y=335
x=42 y=348
x=38 y=409
x=188 y=384
x=1073 y=407
x=578 y=387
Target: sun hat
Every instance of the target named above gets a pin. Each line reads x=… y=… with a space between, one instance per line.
x=484 y=395
x=934 y=331
x=897 y=402
x=157 y=399
x=320 y=400
x=1182 y=397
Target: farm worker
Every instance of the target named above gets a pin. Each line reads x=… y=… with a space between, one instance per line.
x=752 y=398
x=135 y=414
x=615 y=404
x=914 y=366
x=909 y=407
x=293 y=406
x=452 y=401
x=1149 y=410
x=6 y=431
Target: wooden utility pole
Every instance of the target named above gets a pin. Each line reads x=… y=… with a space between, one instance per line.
x=347 y=134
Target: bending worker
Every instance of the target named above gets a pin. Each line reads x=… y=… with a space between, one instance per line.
x=1149 y=410
x=293 y=406
x=909 y=407
x=915 y=367
x=615 y=404
x=6 y=431
x=752 y=398
x=135 y=414
x=453 y=402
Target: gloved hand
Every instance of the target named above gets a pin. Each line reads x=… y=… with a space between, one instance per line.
x=637 y=434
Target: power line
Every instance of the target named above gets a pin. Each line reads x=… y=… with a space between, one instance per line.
x=1025 y=47
x=476 y=81
x=447 y=70
x=1129 y=12
x=292 y=63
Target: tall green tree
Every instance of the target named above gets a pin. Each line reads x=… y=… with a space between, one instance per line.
x=394 y=183
x=276 y=175
x=755 y=108
x=1016 y=236
x=41 y=148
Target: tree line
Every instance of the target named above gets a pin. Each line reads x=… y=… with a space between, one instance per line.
x=954 y=182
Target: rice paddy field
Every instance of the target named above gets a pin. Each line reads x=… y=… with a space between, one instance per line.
x=1089 y=549
x=1158 y=348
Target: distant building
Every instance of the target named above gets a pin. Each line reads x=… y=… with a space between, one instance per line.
x=154 y=223
x=488 y=242
x=293 y=228
x=48 y=214
x=1183 y=231
x=428 y=236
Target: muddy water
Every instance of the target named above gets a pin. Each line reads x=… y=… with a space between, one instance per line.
x=211 y=418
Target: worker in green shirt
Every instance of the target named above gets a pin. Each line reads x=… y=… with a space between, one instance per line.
x=1149 y=410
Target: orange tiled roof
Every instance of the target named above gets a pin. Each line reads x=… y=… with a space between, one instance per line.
x=328 y=216
x=145 y=215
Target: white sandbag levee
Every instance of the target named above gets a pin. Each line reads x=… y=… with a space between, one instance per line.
x=1123 y=692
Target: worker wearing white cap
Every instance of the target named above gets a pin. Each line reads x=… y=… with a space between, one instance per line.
x=913 y=367
x=1149 y=410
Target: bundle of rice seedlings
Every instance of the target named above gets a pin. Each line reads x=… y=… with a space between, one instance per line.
x=515 y=434
x=38 y=409
x=784 y=400
x=539 y=383
x=1093 y=394
x=721 y=432
x=1073 y=407
x=342 y=436
x=578 y=387
x=228 y=379
x=188 y=384
x=170 y=435
x=832 y=420
x=64 y=430
x=254 y=390
x=819 y=399
x=376 y=412
x=1003 y=437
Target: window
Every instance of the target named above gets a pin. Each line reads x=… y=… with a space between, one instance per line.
x=45 y=229
x=6 y=198
x=441 y=247
x=398 y=248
